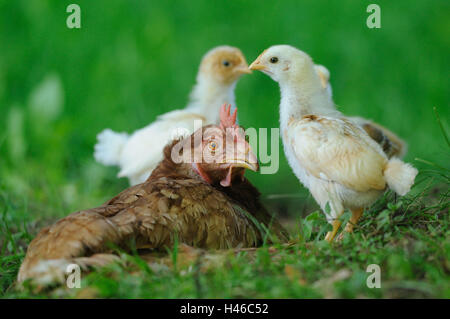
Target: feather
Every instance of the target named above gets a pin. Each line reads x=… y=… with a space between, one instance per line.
x=331 y=149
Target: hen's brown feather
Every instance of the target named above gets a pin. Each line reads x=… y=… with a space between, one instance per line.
x=172 y=203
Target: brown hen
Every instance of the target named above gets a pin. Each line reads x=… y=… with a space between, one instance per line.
x=207 y=204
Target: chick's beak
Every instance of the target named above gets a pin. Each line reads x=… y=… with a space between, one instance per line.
x=256 y=65
x=243 y=69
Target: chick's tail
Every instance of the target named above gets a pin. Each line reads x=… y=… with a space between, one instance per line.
x=399 y=176
x=109 y=147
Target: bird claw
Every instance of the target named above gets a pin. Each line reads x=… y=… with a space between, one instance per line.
x=226 y=118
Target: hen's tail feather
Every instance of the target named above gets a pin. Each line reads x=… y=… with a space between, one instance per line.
x=50 y=271
x=109 y=147
x=400 y=176
x=75 y=236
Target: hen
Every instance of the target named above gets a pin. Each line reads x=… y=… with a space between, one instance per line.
x=198 y=194
x=139 y=153
x=332 y=156
x=391 y=144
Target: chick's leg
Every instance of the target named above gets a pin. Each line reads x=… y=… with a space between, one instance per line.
x=331 y=234
x=335 y=212
x=356 y=215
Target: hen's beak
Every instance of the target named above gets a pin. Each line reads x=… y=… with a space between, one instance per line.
x=245 y=159
x=247 y=165
x=256 y=65
x=248 y=161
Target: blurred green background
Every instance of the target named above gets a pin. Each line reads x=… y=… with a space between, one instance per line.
x=133 y=60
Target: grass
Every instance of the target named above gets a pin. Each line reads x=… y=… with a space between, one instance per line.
x=407 y=238
x=133 y=60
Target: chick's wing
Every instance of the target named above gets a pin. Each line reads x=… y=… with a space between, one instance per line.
x=338 y=151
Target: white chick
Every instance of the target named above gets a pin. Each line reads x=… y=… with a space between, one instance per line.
x=334 y=158
x=139 y=153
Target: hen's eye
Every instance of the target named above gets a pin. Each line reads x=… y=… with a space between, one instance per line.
x=273 y=59
x=226 y=63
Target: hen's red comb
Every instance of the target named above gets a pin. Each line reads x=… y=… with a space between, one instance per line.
x=227 y=119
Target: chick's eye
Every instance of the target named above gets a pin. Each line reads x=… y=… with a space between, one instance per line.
x=273 y=59
x=226 y=63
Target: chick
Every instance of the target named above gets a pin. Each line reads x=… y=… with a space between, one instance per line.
x=391 y=144
x=139 y=153
x=333 y=157
x=324 y=76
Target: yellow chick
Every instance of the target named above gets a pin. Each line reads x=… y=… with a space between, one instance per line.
x=139 y=153
x=333 y=157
